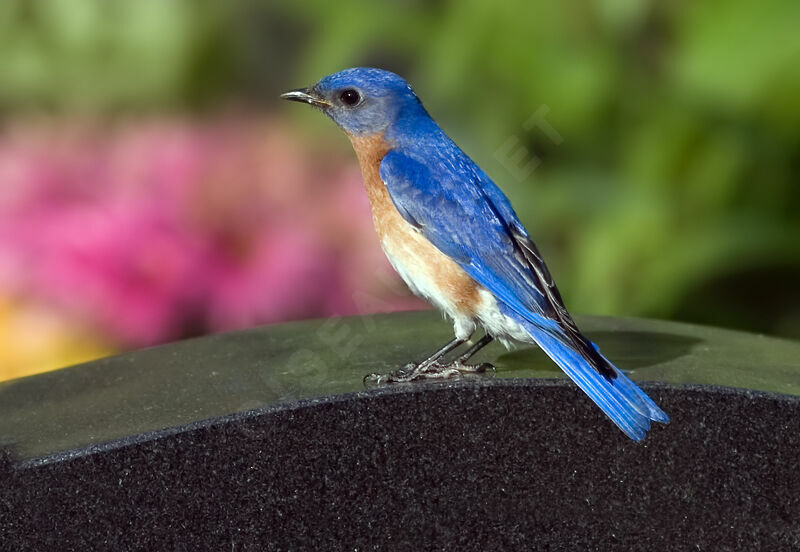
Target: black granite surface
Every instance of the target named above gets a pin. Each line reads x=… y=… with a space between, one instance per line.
x=266 y=440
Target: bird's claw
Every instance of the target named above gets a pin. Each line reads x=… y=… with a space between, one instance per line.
x=376 y=379
x=407 y=373
x=412 y=372
x=472 y=368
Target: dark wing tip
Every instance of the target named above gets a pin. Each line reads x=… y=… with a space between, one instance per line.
x=558 y=311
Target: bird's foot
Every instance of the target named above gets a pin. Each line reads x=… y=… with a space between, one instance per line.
x=413 y=372
x=471 y=368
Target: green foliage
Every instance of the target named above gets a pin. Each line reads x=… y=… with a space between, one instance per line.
x=91 y=55
x=680 y=120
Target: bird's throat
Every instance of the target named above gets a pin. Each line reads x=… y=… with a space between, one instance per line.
x=370 y=151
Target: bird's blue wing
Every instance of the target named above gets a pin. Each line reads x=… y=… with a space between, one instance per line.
x=464 y=215
x=461 y=212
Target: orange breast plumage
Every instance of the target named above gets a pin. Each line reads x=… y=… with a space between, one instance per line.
x=427 y=271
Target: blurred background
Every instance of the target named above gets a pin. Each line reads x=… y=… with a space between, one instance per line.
x=153 y=187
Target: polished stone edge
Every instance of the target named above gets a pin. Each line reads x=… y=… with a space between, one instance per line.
x=107 y=446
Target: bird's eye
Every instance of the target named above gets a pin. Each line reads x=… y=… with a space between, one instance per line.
x=350 y=97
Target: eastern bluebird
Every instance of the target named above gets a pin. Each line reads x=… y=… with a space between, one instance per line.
x=454 y=238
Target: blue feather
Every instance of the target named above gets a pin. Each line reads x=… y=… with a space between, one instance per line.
x=622 y=401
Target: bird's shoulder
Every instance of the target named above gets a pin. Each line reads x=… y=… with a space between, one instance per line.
x=431 y=166
x=430 y=160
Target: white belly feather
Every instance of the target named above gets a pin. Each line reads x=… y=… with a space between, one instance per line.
x=420 y=275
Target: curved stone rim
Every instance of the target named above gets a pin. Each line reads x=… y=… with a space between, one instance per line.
x=170 y=387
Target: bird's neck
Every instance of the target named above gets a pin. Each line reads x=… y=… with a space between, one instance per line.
x=413 y=131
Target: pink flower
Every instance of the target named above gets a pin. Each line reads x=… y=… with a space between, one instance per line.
x=155 y=231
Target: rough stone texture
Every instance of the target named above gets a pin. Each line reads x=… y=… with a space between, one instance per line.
x=478 y=464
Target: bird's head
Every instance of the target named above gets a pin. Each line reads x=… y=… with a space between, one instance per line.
x=362 y=101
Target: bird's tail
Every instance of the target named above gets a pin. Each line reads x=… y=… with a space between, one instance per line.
x=622 y=401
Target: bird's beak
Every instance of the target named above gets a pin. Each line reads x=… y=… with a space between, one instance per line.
x=305 y=95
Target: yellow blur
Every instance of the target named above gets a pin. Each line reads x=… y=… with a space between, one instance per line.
x=36 y=339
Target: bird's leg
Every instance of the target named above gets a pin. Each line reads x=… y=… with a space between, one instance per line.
x=428 y=368
x=431 y=360
x=460 y=362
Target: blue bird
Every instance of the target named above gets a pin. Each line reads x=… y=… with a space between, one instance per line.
x=454 y=238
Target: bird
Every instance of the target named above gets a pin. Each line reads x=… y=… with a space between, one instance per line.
x=454 y=238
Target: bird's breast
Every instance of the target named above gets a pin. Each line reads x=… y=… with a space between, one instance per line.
x=427 y=271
